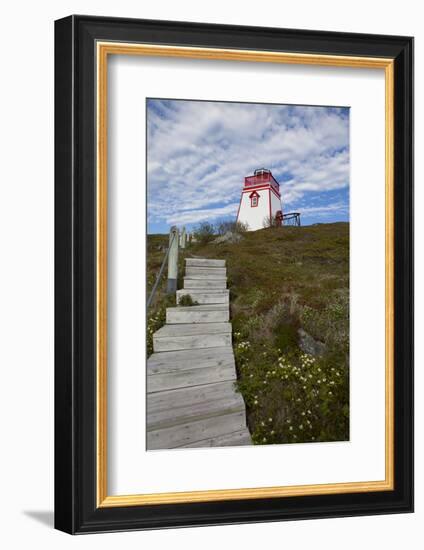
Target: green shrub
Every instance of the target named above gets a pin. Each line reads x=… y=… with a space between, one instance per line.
x=286 y=337
x=204 y=233
x=231 y=226
x=330 y=324
x=187 y=300
x=155 y=321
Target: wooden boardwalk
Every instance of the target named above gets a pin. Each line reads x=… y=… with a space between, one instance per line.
x=191 y=398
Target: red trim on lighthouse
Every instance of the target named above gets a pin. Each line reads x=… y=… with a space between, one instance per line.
x=270 y=209
x=254 y=199
x=260 y=187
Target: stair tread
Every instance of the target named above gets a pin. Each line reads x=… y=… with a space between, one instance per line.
x=206 y=296
x=212 y=272
x=204 y=283
x=184 y=434
x=203 y=291
x=175 y=416
x=187 y=396
x=209 y=272
x=190 y=315
x=192 y=329
x=201 y=307
x=178 y=406
x=169 y=361
x=186 y=378
x=205 y=269
x=206 y=262
x=207 y=276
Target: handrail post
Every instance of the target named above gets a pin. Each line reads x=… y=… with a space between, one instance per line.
x=183 y=238
x=173 y=260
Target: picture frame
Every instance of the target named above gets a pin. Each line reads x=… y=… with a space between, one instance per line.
x=83 y=45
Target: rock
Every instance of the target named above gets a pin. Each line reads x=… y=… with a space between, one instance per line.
x=308 y=344
x=228 y=237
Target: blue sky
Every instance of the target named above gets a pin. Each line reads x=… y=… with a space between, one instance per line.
x=198 y=153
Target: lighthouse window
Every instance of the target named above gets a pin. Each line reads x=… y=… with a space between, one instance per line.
x=254 y=200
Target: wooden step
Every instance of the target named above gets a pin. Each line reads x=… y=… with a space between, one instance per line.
x=208 y=272
x=184 y=434
x=185 y=368
x=187 y=397
x=172 y=408
x=215 y=296
x=205 y=283
x=204 y=262
x=186 y=378
x=175 y=361
x=234 y=439
x=192 y=336
x=209 y=313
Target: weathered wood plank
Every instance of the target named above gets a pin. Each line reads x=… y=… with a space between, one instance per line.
x=171 y=343
x=190 y=377
x=212 y=313
x=212 y=272
x=193 y=329
x=206 y=276
x=172 y=361
x=205 y=283
x=204 y=307
x=206 y=296
x=204 y=410
x=204 y=262
x=185 y=397
x=177 y=436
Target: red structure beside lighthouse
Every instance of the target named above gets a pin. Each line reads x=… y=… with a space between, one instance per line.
x=260 y=201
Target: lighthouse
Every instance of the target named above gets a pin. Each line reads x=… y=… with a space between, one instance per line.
x=260 y=201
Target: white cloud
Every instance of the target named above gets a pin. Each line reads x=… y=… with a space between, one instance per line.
x=199 y=153
x=339 y=207
x=195 y=216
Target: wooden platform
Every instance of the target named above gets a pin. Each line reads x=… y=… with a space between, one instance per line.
x=191 y=397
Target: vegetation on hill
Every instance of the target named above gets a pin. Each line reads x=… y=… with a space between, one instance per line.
x=289 y=292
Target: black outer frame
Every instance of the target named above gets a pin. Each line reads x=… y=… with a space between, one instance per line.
x=75 y=275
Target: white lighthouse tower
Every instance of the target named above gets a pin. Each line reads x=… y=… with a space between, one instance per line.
x=260 y=201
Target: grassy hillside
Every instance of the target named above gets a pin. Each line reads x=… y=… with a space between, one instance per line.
x=290 y=313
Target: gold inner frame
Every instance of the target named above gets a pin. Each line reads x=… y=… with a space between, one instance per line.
x=104 y=49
